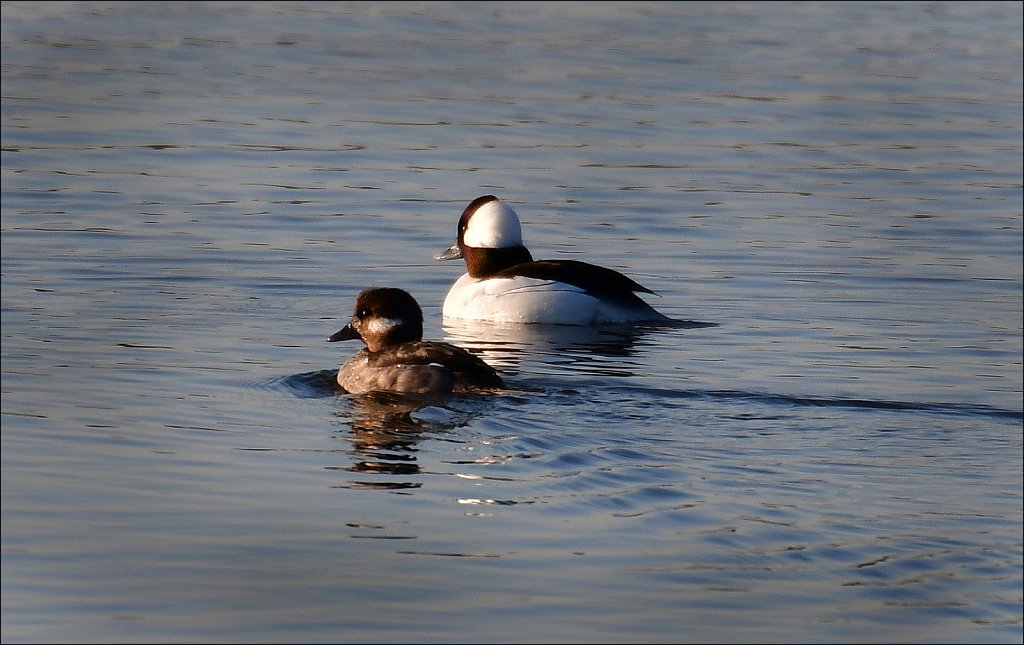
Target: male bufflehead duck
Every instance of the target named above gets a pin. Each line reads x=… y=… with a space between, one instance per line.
x=503 y=283
x=396 y=359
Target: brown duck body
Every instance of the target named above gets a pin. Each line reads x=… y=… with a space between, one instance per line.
x=420 y=367
x=396 y=359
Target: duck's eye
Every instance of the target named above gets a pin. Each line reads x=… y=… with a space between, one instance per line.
x=363 y=313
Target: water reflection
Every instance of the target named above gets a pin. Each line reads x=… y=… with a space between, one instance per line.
x=506 y=345
x=385 y=430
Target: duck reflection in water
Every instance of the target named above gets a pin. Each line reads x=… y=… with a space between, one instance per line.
x=386 y=431
x=607 y=350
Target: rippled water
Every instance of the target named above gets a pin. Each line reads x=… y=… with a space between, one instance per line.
x=193 y=194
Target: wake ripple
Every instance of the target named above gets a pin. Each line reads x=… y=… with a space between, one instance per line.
x=957 y=409
x=321 y=384
x=307 y=385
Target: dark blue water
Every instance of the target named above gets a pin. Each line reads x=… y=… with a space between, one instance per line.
x=193 y=195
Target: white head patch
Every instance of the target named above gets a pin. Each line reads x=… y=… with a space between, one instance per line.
x=493 y=226
x=382 y=326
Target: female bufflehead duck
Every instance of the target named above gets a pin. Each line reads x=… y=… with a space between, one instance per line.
x=396 y=359
x=503 y=283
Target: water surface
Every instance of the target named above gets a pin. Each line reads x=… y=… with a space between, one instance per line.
x=193 y=195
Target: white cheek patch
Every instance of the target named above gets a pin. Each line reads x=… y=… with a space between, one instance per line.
x=493 y=226
x=381 y=326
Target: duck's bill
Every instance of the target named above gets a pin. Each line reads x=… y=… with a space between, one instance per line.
x=453 y=252
x=345 y=333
